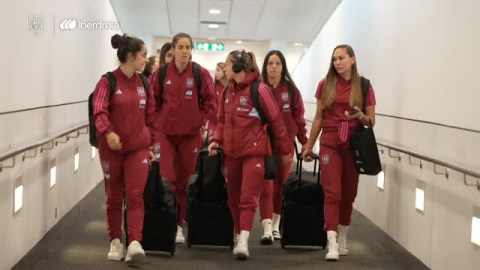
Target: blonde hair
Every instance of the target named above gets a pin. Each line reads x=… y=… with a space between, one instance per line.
x=329 y=89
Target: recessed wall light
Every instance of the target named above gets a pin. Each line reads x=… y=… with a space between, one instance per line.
x=420 y=196
x=213 y=26
x=214 y=11
x=76 y=160
x=476 y=226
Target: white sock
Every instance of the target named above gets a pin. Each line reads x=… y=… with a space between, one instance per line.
x=243 y=237
x=267 y=226
x=276 y=222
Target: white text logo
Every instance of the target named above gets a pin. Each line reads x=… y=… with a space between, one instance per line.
x=72 y=24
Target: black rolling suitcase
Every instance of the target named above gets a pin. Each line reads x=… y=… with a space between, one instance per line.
x=209 y=220
x=302 y=214
x=159 y=224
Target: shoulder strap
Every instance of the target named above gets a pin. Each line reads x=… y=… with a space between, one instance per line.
x=255 y=100
x=291 y=91
x=112 y=82
x=145 y=82
x=256 y=104
x=163 y=74
x=365 y=85
x=198 y=80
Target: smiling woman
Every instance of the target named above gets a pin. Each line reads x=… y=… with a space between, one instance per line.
x=123 y=113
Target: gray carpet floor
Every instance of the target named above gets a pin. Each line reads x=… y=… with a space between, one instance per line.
x=80 y=241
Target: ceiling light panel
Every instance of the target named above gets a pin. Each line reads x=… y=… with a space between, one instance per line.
x=222 y=6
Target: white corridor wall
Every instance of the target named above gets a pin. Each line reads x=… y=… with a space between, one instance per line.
x=421 y=57
x=61 y=66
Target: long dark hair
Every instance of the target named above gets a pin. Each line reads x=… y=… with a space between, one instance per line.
x=285 y=76
x=147 y=71
x=163 y=52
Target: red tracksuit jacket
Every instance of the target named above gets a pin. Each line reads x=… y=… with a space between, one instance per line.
x=179 y=114
x=292 y=117
x=129 y=112
x=240 y=130
x=336 y=129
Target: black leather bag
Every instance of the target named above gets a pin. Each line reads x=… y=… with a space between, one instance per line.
x=365 y=151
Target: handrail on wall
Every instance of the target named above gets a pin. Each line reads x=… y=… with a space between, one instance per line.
x=436 y=162
x=47 y=144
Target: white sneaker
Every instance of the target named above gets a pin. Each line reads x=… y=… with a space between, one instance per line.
x=277 y=235
x=332 y=254
x=180 y=239
x=241 y=249
x=135 y=252
x=116 y=250
x=342 y=240
x=267 y=238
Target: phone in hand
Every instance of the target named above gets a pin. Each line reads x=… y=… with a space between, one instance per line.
x=353 y=111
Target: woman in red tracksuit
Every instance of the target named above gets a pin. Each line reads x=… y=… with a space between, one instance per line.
x=275 y=74
x=179 y=119
x=166 y=56
x=221 y=80
x=339 y=114
x=125 y=130
x=245 y=142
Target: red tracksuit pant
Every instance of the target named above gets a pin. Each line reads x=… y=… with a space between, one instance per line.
x=340 y=183
x=124 y=172
x=245 y=177
x=271 y=198
x=178 y=158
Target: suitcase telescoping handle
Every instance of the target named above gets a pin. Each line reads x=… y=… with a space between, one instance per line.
x=158 y=182
x=299 y=155
x=300 y=162
x=200 y=164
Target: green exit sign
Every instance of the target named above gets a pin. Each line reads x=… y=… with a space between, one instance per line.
x=210 y=47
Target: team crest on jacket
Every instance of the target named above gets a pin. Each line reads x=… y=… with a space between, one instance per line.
x=243 y=100
x=189 y=82
x=141 y=91
x=285 y=96
x=106 y=166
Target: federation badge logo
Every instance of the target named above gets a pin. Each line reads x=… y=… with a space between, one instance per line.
x=285 y=96
x=36 y=25
x=106 y=166
x=141 y=91
x=189 y=82
x=325 y=159
x=243 y=100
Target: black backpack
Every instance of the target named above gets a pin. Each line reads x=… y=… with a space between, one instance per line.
x=271 y=162
x=364 y=145
x=113 y=85
x=197 y=77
